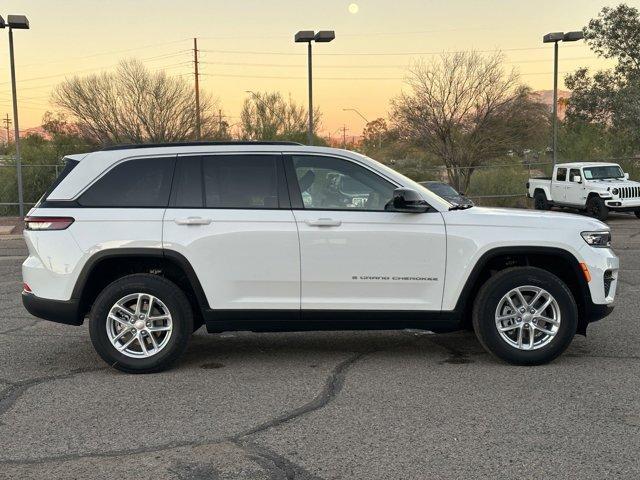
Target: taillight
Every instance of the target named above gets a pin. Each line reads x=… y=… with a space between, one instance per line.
x=47 y=223
x=26 y=288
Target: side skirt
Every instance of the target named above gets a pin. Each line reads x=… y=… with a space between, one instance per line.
x=321 y=320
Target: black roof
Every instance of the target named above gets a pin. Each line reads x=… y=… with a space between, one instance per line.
x=191 y=144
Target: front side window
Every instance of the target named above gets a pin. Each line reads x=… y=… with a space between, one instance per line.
x=144 y=182
x=561 y=176
x=574 y=172
x=240 y=181
x=328 y=183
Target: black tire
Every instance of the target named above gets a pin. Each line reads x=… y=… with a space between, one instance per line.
x=637 y=212
x=486 y=303
x=596 y=208
x=168 y=293
x=540 y=201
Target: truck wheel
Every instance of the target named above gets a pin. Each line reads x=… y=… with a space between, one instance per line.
x=637 y=212
x=540 y=201
x=141 y=323
x=597 y=208
x=525 y=316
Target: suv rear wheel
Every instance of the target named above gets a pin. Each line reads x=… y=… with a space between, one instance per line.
x=540 y=201
x=141 y=323
x=525 y=316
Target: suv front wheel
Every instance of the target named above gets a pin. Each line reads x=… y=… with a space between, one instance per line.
x=525 y=316
x=141 y=323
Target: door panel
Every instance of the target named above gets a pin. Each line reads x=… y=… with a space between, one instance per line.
x=575 y=192
x=355 y=253
x=245 y=258
x=372 y=260
x=559 y=186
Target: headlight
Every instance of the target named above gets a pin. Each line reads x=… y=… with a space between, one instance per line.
x=597 y=239
x=615 y=191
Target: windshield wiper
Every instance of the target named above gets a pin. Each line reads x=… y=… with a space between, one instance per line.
x=460 y=207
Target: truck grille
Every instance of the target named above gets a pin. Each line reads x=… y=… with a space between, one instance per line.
x=629 y=192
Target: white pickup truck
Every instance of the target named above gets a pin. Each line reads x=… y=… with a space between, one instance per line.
x=595 y=188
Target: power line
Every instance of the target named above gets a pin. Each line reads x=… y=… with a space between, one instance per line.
x=254 y=52
x=112 y=52
x=396 y=66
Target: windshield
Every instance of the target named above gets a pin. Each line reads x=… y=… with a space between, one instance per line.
x=440 y=188
x=600 y=173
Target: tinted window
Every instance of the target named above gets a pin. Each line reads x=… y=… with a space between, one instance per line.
x=328 y=183
x=561 y=175
x=145 y=182
x=187 y=183
x=240 y=181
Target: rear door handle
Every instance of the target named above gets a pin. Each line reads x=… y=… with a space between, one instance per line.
x=193 y=221
x=324 y=222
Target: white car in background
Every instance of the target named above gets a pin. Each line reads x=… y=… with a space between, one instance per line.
x=595 y=188
x=150 y=242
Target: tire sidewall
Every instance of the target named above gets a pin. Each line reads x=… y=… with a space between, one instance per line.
x=173 y=298
x=540 y=201
x=597 y=208
x=492 y=293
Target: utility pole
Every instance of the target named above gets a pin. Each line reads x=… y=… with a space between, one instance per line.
x=344 y=136
x=7 y=124
x=197 y=87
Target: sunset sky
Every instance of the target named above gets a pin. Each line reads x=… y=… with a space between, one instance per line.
x=248 y=45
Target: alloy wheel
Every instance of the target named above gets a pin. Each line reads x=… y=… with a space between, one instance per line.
x=139 y=325
x=527 y=317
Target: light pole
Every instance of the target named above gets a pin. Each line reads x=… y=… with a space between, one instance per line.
x=556 y=38
x=308 y=36
x=18 y=22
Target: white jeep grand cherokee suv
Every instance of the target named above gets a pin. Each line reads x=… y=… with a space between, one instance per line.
x=150 y=242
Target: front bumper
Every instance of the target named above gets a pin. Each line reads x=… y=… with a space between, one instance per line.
x=623 y=204
x=59 y=311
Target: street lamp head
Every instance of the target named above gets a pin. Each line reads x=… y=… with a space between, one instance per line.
x=553 y=37
x=324 y=36
x=573 y=36
x=18 y=22
x=304 y=36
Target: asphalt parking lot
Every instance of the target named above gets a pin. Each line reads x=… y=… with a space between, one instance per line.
x=331 y=405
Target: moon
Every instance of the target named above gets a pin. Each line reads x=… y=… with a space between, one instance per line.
x=353 y=8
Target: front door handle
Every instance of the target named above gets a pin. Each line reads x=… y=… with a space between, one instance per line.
x=324 y=222
x=193 y=221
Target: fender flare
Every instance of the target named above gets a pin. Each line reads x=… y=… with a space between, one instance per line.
x=157 y=253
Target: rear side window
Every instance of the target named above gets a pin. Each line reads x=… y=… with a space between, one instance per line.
x=66 y=170
x=561 y=176
x=145 y=182
x=240 y=181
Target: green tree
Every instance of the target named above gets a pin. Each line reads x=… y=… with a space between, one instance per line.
x=269 y=116
x=610 y=99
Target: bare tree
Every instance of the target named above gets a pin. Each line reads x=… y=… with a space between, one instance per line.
x=268 y=116
x=135 y=105
x=465 y=109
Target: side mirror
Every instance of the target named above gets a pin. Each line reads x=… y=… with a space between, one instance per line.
x=577 y=179
x=409 y=201
x=626 y=176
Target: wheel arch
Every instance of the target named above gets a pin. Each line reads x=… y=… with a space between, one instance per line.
x=543 y=191
x=558 y=261
x=108 y=265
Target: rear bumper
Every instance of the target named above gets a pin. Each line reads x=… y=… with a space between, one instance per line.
x=59 y=311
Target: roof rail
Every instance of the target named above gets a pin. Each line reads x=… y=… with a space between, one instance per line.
x=192 y=144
